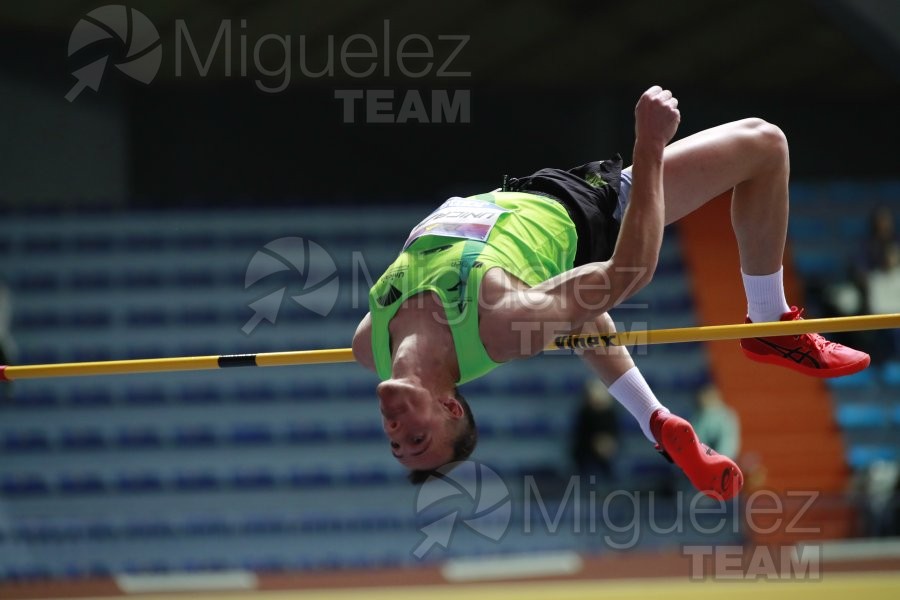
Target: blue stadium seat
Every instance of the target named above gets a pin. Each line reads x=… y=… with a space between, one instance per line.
x=88 y=318
x=803 y=194
x=198 y=348
x=145 y=351
x=90 y=396
x=24 y=441
x=145 y=394
x=264 y=523
x=80 y=483
x=90 y=281
x=151 y=567
x=138 y=437
x=146 y=317
x=302 y=433
x=101 y=530
x=865 y=379
x=367 y=476
x=198 y=317
x=854 y=226
x=251 y=434
x=42 y=244
x=896 y=415
x=527 y=385
x=651 y=468
x=195 y=241
x=861 y=416
x=309 y=478
x=254 y=479
x=89 y=353
x=192 y=436
x=536 y=426
x=24 y=484
x=84 y=438
x=675 y=303
x=477 y=387
x=362 y=430
x=144 y=527
x=890 y=374
x=192 y=279
x=34 y=572
x=361 y=388
x=199 y=394
x=811 y=264
x=205 y=565
x=259 y=391
x=37 y=319
x=196 y=480
x=84 y=571
x=690 y=381
x=318 y=523
x=35 y=532
x=143 y=242
x=270 y=564
x=142 y=482
x=141 y=280
x=38 y=355
x=487 y=429
x=92 y=243
x=803 y=228
x=861 y=456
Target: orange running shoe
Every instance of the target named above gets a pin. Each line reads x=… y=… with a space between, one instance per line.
x=712 y=473
x=809 y=353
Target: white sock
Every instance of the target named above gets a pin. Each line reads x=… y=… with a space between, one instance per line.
x=632 y=392
x=765 y=296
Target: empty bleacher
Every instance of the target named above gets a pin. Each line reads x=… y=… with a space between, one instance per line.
x=828 y=232
x=251 y=468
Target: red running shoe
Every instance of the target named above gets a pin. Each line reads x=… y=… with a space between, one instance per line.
x=809 y=353
x=715 y=475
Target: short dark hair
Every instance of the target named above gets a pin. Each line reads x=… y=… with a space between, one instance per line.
x=463 y=445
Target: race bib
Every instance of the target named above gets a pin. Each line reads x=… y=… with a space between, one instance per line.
x=466 y=218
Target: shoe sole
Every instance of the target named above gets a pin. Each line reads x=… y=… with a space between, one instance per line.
x=770 y=359
x=680 y=439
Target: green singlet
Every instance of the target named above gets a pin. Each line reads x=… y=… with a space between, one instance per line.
x=529 y=236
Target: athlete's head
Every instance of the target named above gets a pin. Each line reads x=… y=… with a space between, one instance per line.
x=426 y=430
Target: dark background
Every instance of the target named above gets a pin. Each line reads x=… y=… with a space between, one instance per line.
x=551 y=83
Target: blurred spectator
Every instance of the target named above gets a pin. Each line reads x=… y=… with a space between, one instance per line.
x=879 y=495
x=873 y=287
x=716 y=424
x=595 y=443
x=883 y=246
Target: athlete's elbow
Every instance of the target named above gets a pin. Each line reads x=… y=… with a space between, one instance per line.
x=645 y=270
x=628 y=277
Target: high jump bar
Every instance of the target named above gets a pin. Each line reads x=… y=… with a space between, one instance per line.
x=343 y=355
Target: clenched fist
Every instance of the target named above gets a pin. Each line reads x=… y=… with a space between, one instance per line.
x=656 y=116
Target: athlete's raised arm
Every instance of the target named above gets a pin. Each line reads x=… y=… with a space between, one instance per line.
x=573 y=298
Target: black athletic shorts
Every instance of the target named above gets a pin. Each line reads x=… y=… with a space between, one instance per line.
x=590 y=194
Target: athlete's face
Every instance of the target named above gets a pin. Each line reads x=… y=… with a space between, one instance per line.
x=418 y=426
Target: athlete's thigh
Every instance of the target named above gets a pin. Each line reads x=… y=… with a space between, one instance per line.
x=703 y=165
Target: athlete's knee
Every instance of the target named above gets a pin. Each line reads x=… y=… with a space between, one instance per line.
x=768 y=140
